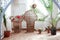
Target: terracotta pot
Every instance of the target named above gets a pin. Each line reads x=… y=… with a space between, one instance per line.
x=6 y=33
x=39 y=31
x=48 y=30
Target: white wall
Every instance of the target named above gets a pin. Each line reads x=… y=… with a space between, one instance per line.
x=18 y=8
x=8 y=14
x=39 y=24
x=55 y=11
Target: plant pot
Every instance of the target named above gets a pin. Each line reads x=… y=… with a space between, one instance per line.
x=39 y=31
x=48 y=30
x=53 y=31
x=6 y=33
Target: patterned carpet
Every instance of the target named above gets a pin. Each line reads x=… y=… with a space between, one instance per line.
x=33 y=36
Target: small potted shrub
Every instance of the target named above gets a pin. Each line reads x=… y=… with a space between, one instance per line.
x=53 y=30
x=17 y=20
x=40 y=30
x=6 y=32
x=54 y=22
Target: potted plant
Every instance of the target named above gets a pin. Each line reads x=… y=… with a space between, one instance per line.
x=54 y=22
x=40 y=30
x=6 y=32
x=17 y=20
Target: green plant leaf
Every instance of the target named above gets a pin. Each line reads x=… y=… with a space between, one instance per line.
x=1 y=9
x=4 y=20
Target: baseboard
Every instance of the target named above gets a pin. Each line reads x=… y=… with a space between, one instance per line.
x=58 y=29
x=21 y=29
x=24 y=28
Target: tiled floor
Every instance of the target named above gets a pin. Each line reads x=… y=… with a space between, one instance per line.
x=29 y=36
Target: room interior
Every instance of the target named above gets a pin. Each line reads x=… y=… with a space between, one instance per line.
x=30 y=19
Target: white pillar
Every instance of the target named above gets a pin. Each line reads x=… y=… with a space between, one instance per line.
x=1 y=16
